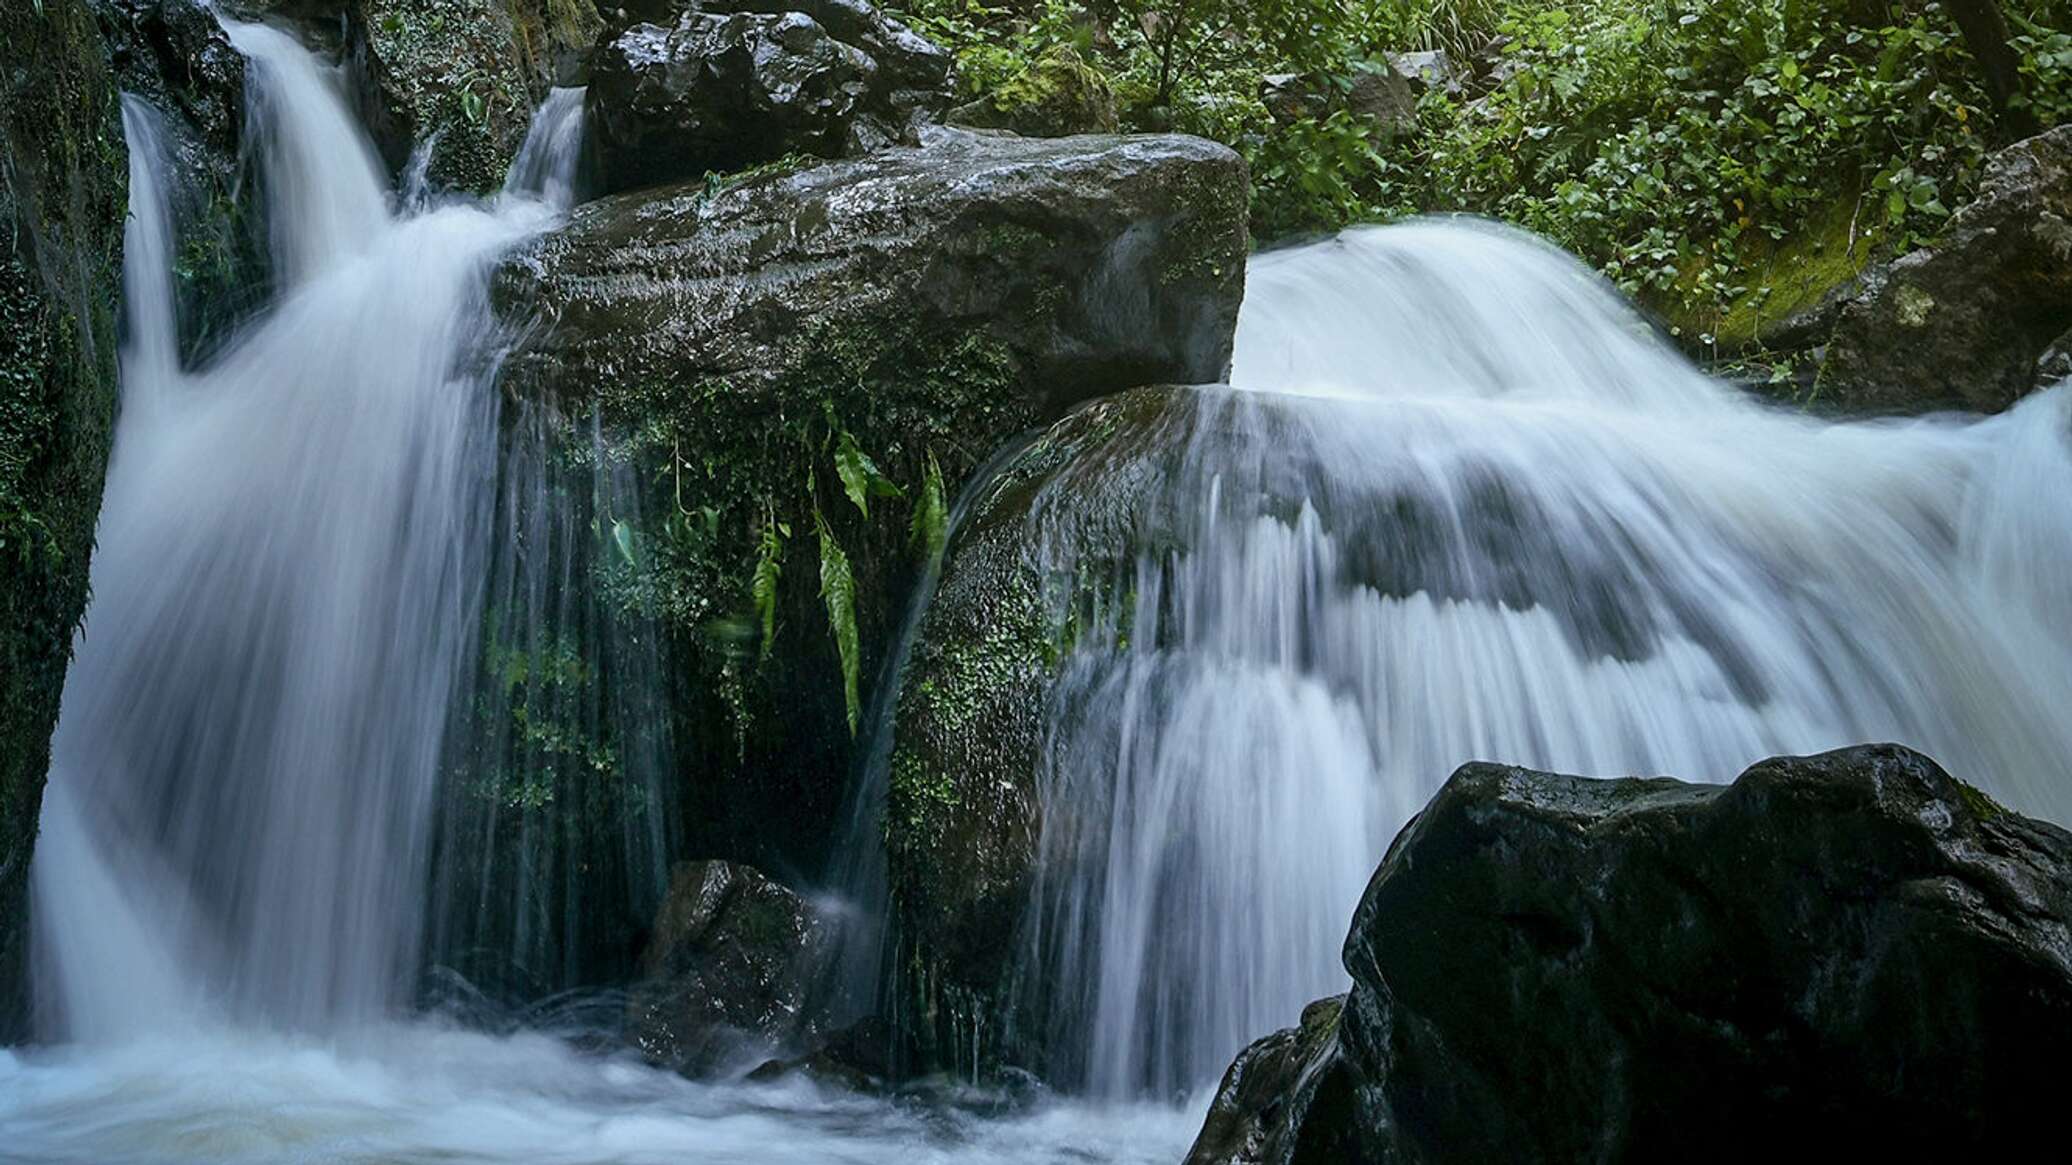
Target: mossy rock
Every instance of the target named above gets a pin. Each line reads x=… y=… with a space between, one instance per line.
x=1040 y=541
x=735 y=339
x=62 y=204
x=174 y=56
x=1058 y=94
x=462 y=76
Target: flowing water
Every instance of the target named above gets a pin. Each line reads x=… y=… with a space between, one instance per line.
x=1462 y=506
x=1465 y=505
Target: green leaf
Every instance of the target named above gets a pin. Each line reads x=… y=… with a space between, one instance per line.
x=838 y=591
x=622 y=538
x=769 y=568
x=861 y=479
x=930 y=527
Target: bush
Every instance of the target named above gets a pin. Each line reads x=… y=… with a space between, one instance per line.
x=1690 y=149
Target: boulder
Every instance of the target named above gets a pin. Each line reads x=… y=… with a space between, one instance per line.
x=1426 y=71
x=1850 y=952
x=63 y=200
x=800 y=366
x=1962 y=324
x=1058 y=94
x=717 y=85
x=1381 y=95
x=725 y=977
x=174 y=56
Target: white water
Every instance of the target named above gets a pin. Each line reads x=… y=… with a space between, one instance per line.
x=230 y=883
x=1494 y=519
x=1473 y=509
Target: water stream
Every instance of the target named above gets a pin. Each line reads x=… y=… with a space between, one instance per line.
x=1464 y=505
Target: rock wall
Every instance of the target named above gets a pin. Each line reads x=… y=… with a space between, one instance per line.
x=63 y=196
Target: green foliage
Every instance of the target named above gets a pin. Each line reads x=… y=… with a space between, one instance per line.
x=861 y=479
x=838 y=591
x=930 y=526
x=769 y=569
x=1677 y=145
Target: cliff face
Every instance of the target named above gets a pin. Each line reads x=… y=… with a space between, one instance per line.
x=63 y=197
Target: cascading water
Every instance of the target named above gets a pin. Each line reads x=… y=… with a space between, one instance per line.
x=1467 y=508
x=286 y=574
x=1471 y=508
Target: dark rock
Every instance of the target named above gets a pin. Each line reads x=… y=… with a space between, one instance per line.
x=921 y=305
x=1849 y=952
x=724 y=84
x=2056 y=362
x=1381 y=96
x=725 y=977
x=1961 y=325
x=963 y=812
x=63 y=199
x=865 y=1056
x=1057 y=95
x=174 y=56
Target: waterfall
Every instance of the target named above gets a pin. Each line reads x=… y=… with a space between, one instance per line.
x=1463 y=505
x=289 y=570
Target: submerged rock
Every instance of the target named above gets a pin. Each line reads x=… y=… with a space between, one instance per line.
x=801 y=366
x=63 y=198
x=726 y=974
x=1964 y=323
x=716 y=85
x=1850 y=952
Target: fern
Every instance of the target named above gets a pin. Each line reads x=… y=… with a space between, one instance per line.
x=861 y=478
x=930 y=527
x=769 y=568
x=838 y=591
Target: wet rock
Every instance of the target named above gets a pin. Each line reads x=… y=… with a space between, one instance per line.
x=693 y=88
x=174 y=55
x=63 y=199
x=1057 y=95
x=1962 y=324
x=724 y=981
x=1845 y=952
x=744 y=343
x=963 y=810
x=865 y=1056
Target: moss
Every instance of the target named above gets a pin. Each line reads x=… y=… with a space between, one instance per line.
x=1783 y=279
x=62 y=201
x=1058 y=94
x=1977 y=801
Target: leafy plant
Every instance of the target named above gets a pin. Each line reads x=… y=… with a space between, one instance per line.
x=838 y=592
x=769 y=569
x=929 y=527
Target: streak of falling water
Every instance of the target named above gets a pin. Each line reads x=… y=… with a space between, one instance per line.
x=288 y=567
x=1470 y=509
